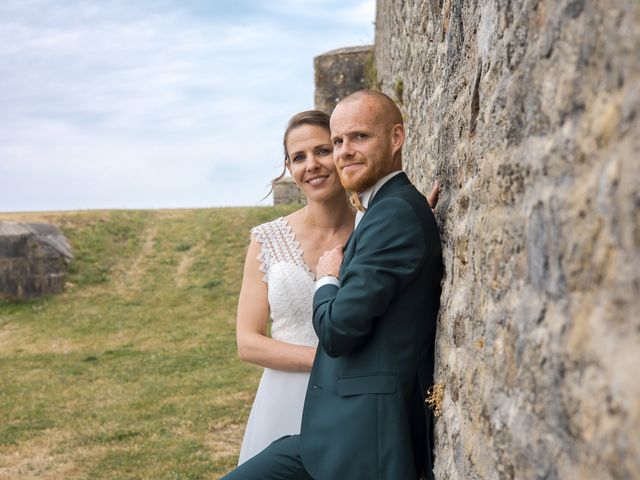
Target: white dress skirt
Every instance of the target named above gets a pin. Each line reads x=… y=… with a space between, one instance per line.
x=276 y=411
x=277 y=408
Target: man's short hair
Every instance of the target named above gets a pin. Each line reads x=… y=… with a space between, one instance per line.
x=384 y=105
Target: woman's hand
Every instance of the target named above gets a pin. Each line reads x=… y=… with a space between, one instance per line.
x=433 y=196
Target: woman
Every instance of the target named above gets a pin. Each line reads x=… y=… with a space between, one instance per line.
x=278 y=282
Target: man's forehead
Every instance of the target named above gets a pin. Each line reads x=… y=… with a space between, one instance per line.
x=352 y=115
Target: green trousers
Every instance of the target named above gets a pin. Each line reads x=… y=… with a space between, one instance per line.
x=279 y=461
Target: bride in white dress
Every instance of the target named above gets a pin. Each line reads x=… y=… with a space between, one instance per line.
x=278 y=283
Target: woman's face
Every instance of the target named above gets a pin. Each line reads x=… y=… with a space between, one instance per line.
x=311 y=162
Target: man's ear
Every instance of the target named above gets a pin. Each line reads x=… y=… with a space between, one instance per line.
x=397 y=136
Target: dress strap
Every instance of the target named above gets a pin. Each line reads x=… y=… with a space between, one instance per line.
x=278 y=244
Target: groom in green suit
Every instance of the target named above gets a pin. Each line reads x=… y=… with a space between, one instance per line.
x=374 y=311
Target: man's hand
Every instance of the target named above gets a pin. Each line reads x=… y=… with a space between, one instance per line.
x=433 y=196
x=329 y=263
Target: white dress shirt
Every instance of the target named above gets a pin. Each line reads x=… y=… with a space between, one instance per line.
x=365 y=199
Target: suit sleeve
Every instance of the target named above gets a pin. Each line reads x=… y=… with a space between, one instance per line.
x=388 y=253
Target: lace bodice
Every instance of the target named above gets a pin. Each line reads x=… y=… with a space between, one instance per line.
x=290 y=283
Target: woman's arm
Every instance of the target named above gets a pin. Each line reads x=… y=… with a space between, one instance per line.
x=254 y=346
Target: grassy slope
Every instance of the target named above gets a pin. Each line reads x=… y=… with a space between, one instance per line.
x=132 y=372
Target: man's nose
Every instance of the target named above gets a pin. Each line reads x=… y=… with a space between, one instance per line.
x=346 y=149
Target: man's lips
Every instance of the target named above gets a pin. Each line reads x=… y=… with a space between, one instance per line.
x=351 y=167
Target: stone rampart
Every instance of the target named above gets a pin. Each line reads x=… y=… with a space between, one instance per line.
x=341 y=72
x=528 y=113
x=33 y=260
x=286 y=192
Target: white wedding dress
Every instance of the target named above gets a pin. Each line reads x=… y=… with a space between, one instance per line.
x=277 y=408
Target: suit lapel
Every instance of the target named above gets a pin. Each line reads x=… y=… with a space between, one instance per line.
x=399 y=180
x=348 y=251
x=393 y=183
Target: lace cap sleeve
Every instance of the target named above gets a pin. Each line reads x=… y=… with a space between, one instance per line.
x=278 y=244
x=260 y=235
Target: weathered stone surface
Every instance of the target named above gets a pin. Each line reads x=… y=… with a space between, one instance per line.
x=33 y=259
x=286 y=192
x=528 y=113
x=341 y=72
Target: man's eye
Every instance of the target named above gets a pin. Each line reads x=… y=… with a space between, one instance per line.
x=324 y=151
x=337 y=141
x=362 y=136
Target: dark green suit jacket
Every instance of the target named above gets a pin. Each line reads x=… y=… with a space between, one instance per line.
x=364 y=414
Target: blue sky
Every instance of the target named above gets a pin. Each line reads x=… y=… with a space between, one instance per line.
x=156 y=103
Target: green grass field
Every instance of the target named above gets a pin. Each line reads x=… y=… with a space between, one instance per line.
x=132 y=372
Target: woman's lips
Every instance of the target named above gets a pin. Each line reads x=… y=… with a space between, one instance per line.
x=317 y=181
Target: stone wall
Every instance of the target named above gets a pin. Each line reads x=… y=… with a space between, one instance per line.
x=528 y=113
x=33 y=260
x=286 y=192
x=341 y=72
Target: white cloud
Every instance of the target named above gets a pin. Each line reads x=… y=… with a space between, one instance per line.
x=151 y=102
x=361 y=13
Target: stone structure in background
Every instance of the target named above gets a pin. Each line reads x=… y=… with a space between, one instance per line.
x=33 y=259
x=286 y=192
x=341 y=72
x=528 y=113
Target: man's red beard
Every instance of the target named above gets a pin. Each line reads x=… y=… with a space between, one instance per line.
x=363 y=179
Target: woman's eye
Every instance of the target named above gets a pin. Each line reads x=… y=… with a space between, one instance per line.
x=298 y=158
x=324 y=151
x=361 y=136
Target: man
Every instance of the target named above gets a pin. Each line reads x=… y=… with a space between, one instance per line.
x=374 y=311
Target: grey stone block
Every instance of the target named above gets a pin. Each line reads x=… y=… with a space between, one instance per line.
x=33 y=259
x=339 y=73
x=286 y=192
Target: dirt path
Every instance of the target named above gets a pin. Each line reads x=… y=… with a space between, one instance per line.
x=187 y=260
x=129 y=277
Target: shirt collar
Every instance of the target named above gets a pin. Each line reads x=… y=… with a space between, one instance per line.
x=369 y=193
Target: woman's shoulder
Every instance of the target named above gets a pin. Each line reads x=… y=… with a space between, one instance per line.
x=277 y=243
x=268 y=229
x=277 y=227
